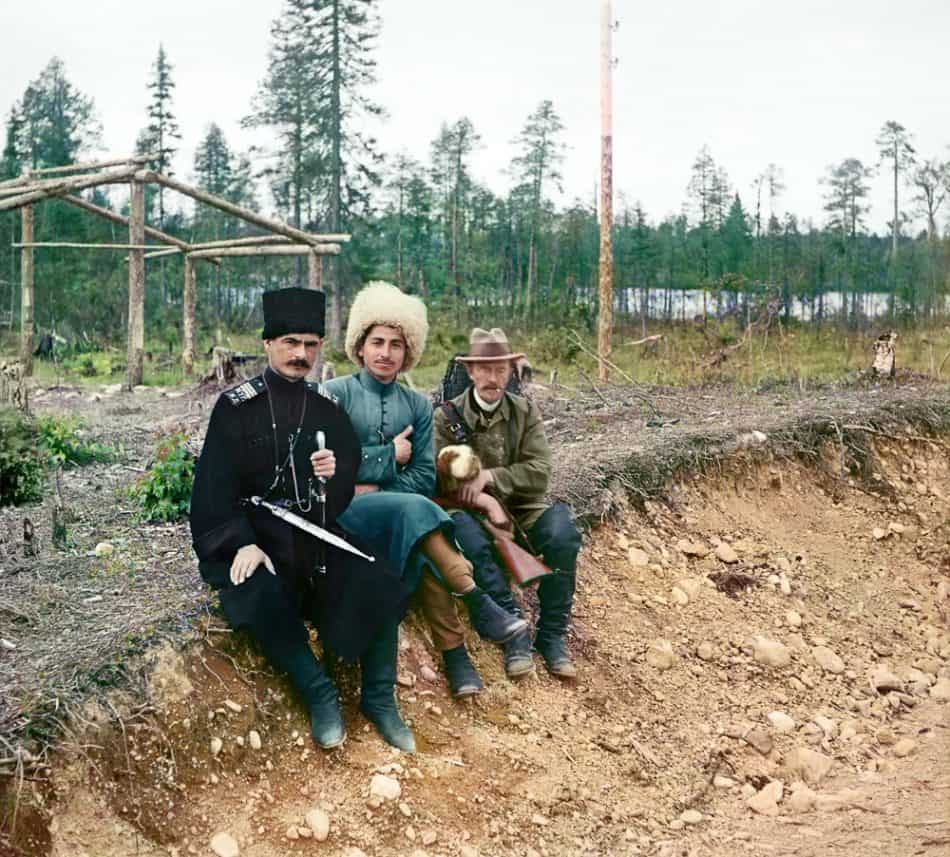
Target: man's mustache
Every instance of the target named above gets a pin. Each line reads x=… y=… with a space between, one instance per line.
x=303 y=364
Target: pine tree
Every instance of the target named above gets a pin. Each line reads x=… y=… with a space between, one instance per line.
x=537 y=163
x=450 y=152
x=894 y=146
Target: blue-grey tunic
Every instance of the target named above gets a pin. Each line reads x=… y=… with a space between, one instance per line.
x=394 y=519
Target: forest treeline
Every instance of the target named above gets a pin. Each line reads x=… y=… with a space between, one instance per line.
x=434 y=229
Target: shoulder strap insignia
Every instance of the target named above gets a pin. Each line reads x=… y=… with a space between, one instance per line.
x=321 y=390
x=246 y=391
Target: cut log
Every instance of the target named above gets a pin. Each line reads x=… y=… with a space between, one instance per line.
x=268 y=250
x=230 y=208
x=58 y=187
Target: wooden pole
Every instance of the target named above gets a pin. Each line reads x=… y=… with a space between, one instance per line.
x=26 y=299
x=30 y=178
x=136 y=334
x=168 y=251
x=605 y=316
x=188 y=321
x=265 y=239
x=77 y=246
x=132 y=160
x=57 y=187
x=315 y=281
x=268 y=250
x=230 y=208
x=157 y=234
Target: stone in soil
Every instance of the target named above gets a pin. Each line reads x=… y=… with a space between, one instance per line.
x=254 y=739
x=638 y=558
x=726 y=553
x=828 y=660
x=760 y=739
x=802 y=798
x=225 y=845
x=884 y=681
x=385 y=788
x=771 y=653
x=691 y=816
x=216 y=746
x=689 y=548
x=781 y=722
x=765 y=801
x=706 y=651
x=807 y=765
x=319 y=822
x=660 y=655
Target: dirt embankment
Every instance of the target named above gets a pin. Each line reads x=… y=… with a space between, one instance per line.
x=764 y=669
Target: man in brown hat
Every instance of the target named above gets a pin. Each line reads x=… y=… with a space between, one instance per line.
x=506 y=433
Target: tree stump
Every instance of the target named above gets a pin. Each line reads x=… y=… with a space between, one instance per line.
x=223 y=365
x=13 y=389
x=885 y=355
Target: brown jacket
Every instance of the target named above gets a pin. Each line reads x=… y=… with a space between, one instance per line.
x=511 y=443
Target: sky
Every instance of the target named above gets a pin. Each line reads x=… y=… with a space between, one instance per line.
x=800 y=84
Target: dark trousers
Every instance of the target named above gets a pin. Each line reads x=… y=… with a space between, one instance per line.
x=558 y=541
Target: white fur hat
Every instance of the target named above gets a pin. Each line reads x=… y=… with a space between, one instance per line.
x=383 y=303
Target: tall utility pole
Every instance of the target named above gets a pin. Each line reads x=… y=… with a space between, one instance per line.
x=605 y=317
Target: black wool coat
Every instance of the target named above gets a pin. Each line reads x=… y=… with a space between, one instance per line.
x=355 y=599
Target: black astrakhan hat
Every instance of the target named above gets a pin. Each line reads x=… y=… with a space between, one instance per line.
x=293 y=311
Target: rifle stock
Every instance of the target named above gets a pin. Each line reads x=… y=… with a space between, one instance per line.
x=524 y=567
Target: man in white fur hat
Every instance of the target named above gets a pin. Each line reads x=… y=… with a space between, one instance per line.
x=509 y=486
x=386 y=334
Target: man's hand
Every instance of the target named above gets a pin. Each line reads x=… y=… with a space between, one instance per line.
x=364 y=488
x=246 y=562
x=403 y=446
x=493 y=511
x=324 y=463
x=468 y=491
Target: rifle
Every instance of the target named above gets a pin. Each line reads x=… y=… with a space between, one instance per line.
x=524 y=567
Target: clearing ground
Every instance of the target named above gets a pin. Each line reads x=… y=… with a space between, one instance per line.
x=762 y=632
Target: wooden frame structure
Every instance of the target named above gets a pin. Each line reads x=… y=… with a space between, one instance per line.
x=61 y=183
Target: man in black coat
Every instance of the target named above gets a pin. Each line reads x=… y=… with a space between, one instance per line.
x=262 y=442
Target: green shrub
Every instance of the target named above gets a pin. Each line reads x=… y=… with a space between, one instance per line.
x=22 y=472
x=60 y=436
x=164 y=493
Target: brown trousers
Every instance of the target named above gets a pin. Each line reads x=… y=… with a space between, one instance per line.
x=436 y=598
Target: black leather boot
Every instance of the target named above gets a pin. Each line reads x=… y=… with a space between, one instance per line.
x=316 y=689
x=518 y=660
x=491 y=621
x=377 y=696
x=556 y=597
x=461 y=673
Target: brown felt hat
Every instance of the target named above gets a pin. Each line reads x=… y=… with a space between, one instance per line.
x=488 y=346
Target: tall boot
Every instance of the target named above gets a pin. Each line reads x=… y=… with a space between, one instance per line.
x=556 y=596
x=488 y=619
x=377 y=696
x=518 y=660
x=316 y=689
x=461 y=673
